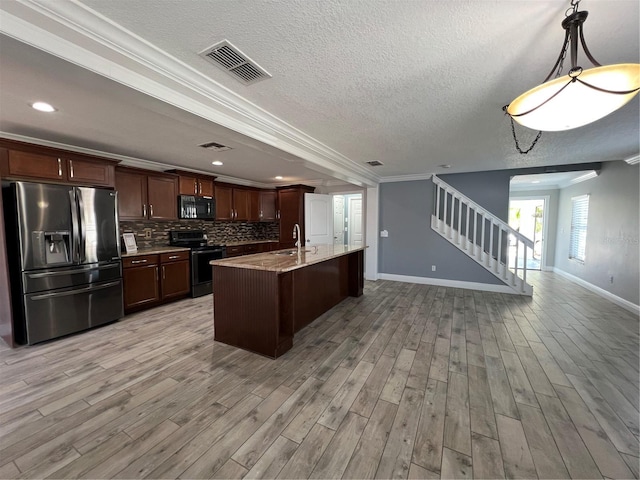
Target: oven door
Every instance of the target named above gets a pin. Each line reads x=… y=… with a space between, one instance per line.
x=202 y=272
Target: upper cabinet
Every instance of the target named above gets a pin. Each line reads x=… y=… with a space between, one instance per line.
x=22 y=161
x=268 y=202
x=146 y=195
x=240 y=204
x=291 y=211
x=193 y=184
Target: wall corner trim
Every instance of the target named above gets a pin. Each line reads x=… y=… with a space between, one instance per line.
x=441 y=282
x=621 y=302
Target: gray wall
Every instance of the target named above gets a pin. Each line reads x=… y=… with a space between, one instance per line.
x=412 y=246
x=612 y=231
x=552 y=220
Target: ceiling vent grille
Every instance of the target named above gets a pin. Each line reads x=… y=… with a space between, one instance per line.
x=374 y=163
x=216 y=147
x=227 y=57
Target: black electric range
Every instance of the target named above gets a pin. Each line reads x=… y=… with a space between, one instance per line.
x=201 y=254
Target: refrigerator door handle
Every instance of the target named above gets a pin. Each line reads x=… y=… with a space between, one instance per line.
x=76 y=291
x=71 y=272
x=83 y=233
x=75 y=252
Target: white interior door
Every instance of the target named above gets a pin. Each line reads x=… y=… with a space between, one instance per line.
x=318 y=219
x=355 y=220
x=338 y=219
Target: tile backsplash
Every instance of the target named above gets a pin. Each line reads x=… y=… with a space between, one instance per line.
x=217 y=232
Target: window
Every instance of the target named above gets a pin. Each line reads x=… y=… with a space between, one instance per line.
x=579 y=215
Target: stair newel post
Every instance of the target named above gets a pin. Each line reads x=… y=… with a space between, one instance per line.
x=500 y=251
x=459 y=220
x=484 y=220
x=444 y=216
x=475 y=231
x=524 y=267
x=438 y=202
x=516 y=260
x=491 y=252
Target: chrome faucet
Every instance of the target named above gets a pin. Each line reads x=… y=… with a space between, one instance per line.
x=296 y=235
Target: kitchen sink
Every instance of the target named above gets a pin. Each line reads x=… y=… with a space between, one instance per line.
x=289 y=253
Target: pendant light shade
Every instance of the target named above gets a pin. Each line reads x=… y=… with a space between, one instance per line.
x=573 y=101
x=580 y=97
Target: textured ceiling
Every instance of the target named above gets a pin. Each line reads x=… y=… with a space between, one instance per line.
x=411 y=83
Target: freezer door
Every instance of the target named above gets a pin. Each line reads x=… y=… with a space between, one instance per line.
x=99 y=238
x=45 y=225
x=61 y=312
x=52 y=279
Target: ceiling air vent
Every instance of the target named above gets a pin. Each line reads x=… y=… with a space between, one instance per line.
x=235 y=63
x=216 y=147
x=374 y=163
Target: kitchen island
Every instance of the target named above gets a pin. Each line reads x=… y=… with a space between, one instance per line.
x=262 y=300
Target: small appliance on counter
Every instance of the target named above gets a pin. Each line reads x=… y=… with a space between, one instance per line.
x=201 y=254
x=64 y=262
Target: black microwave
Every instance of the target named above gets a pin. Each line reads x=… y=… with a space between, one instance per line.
x=196 y=207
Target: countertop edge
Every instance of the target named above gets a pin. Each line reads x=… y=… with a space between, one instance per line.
x=312 y=261
x=154 y=251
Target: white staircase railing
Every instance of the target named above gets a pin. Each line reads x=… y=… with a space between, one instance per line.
x=490 y=241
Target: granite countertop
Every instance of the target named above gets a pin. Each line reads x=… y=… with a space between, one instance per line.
x=272 y=262
x=247 y=242
x=155 y=251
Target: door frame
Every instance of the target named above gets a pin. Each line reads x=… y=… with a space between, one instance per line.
x=545 y=224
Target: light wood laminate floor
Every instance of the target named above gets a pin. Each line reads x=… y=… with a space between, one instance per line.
x=407 y=381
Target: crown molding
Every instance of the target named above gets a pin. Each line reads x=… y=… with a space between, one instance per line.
x=108 y=49
x=127 y=161
x=406 y=178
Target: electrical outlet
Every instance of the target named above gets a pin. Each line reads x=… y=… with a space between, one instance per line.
x=147 y=233
x=433 y=268
x=611 y=279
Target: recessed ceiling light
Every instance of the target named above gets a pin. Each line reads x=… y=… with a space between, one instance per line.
x=535 y=181
x=43 y=107
x=279 y=177
x=217 y=163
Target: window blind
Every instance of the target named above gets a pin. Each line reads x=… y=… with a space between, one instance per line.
x=579 y=215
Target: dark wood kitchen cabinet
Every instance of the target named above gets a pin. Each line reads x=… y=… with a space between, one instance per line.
x=236 y=204
x=146 y=195
x=23 y=161
x=267 y=205
x=190 y=183
x=175 y=281
x=149 y=280
x=140 y=278
x=291 y=211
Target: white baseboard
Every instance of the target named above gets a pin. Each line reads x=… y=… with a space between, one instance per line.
x=626 y=304
x=441 y=282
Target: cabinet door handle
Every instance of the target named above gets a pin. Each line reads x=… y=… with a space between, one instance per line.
x=59 y=167
x=163 y=273
x=156 y=274
x=133 y=262
x=151 y=210
x=144 y=210
x=71 y=167
x=199 y=188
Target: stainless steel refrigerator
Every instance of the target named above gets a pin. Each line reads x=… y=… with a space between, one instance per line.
x=65 y=267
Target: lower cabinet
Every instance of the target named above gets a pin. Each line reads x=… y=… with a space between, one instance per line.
x=249 y=248
x=150 y=280
x=174 y=275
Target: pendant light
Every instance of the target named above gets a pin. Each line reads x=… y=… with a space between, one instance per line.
x=580 y=97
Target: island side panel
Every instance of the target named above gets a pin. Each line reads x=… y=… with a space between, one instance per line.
x=246 y=309
x=317 y=288
x=356 y=273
